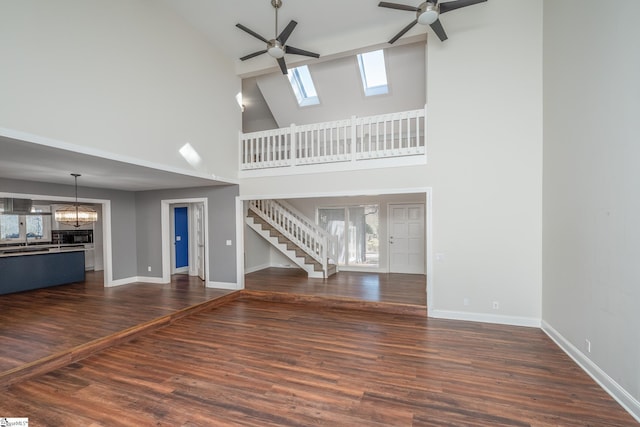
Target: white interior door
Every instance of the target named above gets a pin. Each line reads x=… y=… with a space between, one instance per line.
x=199 y=235
x=406 y=239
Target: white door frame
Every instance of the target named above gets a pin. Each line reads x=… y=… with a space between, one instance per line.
x=194 y=238
x=165 y=215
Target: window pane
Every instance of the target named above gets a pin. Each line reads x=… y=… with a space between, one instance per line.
x=9 y=227
x=373 y=72
x=302 y=85
x=363 y=236
x=356 y=228
x=332 y=221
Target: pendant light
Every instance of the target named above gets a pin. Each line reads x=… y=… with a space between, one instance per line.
x=76 y=215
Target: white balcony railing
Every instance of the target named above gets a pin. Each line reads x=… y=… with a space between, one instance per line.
x=353 y=140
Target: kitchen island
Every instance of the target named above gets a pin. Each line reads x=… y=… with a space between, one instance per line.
x=26 y=268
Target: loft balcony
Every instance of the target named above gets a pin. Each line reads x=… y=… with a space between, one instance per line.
x=386 y=140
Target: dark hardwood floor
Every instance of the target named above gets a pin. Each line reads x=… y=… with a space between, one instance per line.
x=181 y=354
x=60 y=320
x=258 y=363
x=372 y=287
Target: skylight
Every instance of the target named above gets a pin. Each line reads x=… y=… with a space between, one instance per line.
x=373 y=73
x=302 y=86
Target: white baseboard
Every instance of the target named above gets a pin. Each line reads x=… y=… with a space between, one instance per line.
x=224 y=285
x=256 y=268
x=531 y=322
x=623 y=397
x=134 y=279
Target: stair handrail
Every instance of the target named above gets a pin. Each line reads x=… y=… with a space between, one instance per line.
x=296 y=227
x=332 y=241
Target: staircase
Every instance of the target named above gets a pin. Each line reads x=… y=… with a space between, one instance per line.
x=297 y=237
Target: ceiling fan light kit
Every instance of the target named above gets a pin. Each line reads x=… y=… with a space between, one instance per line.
x=429 y=15
x=277 y=47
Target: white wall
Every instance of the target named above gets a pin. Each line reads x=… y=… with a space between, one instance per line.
x=124 y=76
x=591 y=238
x=484 y=101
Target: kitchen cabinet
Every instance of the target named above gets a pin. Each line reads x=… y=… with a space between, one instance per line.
x=40 y=268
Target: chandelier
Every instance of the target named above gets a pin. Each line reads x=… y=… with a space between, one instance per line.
x=76 y=215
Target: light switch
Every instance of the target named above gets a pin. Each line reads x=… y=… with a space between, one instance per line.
x=228 y=242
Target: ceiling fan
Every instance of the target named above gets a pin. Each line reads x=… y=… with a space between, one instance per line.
x=277 y=47
x=428 y=13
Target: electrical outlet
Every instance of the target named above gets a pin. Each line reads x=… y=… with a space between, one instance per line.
x=588 y=345
x=466 y=301
x=149 y=268
x=496 y=305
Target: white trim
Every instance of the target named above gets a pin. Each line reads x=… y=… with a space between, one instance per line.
x=135 y=279
x=622 y=396
x=90 y=151
x=363 y=269
x=500 y=319
x=390 y=162
x=429 y=249
x=224 y=285
x=240 y=243
x=261 y=267
x=368 y=192
x=165 y=209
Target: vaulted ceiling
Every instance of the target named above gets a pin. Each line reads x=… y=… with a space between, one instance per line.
x=329 y=27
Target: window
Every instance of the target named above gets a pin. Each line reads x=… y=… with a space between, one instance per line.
x=26 y=228
x=373 y=73
x=302 y=85
x=356 y=228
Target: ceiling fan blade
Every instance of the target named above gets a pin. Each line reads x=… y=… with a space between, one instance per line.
x=296 y=51
x=253 y=33
x=453 y=5
x=398 y=6
x=251 y=55
x=283 y=65
x=437 y=28
x=403 y=31
x=284 y=35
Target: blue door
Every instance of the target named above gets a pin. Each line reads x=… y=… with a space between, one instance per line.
x=181 y=227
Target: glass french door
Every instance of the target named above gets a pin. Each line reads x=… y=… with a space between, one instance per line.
x=356 y=228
